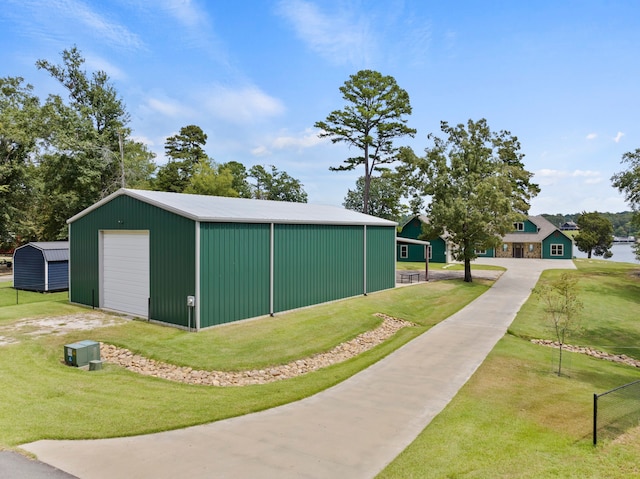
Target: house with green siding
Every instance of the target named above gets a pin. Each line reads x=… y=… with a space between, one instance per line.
x=412 y=229
x=534 y=237
x=196 y=261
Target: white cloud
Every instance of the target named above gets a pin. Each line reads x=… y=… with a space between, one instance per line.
x=340 y=38
x=307 y=139
x=243 y=105
x=548 y=177
x=98 y=63
x=592 y=136
x=169 y=108
x=260 y=151
x=618 y=137
x=185 y=11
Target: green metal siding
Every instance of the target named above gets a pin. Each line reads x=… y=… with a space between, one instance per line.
x=557 y=238
x=438 y=250
x=415 y=252
x=172 y=255
x=490 y=253
x=529 y=227
x=412 y=230
x=234 y=272
x=380 y=260
x=317 y=263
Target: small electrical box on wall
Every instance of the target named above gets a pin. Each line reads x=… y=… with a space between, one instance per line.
x=191 y=301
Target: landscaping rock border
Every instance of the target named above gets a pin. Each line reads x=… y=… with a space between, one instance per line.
x=342 y=352
x=616 y=358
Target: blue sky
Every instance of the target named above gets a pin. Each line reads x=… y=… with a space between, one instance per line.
x=256 y=75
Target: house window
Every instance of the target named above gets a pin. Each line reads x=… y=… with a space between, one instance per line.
x=481 y=252
x=557 y=250
x=519 y=226
x=404 y=251
x=531 y=248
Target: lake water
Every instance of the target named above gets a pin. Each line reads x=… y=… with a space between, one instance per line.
x=621 y=253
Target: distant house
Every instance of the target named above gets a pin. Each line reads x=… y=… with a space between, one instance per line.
x=412 y=229
x=535 y=237
x=569 y=226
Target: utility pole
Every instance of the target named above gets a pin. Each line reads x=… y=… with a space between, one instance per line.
x=120 y=142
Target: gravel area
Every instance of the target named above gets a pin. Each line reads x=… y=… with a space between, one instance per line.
x=342 y=352
x=616 y=358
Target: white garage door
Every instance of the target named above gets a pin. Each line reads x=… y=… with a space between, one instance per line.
x=125 y=271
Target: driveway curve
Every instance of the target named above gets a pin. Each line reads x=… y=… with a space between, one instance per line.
x=353 y=429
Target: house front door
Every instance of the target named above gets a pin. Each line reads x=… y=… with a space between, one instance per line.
x=518 y=250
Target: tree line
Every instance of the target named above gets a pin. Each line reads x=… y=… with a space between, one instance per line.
x=60 y=155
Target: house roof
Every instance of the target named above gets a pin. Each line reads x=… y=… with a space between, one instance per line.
x=241 y=210
x=545 y=228
x=51 y=250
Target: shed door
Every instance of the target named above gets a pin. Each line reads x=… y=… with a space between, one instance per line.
x=125 y=271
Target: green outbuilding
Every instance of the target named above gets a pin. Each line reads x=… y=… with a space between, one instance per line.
x=196 y=261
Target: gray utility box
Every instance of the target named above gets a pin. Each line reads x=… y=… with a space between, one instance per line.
x=79 y=354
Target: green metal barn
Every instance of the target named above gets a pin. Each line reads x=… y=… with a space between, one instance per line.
x=197 y=261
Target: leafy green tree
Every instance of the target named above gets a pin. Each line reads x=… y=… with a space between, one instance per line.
x=596 y=235
x=139 y=166
x=276 y=185
x=101 y=114
x=628 y=182
x=19 y=131
x=85 y=153
x=562 y=307
x=372 y=119
x=477 y=183
x=184 y=151
x=384 y=198
x=240 y=177
x=210 y=179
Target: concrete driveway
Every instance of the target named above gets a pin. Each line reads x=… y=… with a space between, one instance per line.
x=352 y=430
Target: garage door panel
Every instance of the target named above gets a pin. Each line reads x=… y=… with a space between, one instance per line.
x=126 y=272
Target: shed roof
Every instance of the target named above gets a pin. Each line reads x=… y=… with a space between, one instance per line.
x=51 y=250
x=545 y=228
x=242 y=210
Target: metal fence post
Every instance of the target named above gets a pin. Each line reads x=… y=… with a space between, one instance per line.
x=595 y=419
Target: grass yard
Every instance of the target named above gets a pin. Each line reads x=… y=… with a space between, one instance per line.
x=42 y=398
x=517 y=418
x=413 y=266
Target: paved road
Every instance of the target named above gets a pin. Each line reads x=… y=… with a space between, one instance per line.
x=351 y=430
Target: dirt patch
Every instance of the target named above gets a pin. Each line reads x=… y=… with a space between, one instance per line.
x=58 y=325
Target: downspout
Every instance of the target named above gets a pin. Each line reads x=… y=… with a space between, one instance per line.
x=196 y=309
x=271 y=267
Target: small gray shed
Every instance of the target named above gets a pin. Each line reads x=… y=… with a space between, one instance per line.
x=41 y=266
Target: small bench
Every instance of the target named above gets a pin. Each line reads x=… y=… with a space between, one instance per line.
x=410 y=277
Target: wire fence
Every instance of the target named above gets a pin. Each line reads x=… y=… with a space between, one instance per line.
x=616 y=411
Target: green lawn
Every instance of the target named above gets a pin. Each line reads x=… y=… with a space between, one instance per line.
x=43 y=398
x=517 y=418
x=410 y=266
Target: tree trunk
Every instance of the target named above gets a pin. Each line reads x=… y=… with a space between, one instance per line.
x=467 y=271
x=560 y=361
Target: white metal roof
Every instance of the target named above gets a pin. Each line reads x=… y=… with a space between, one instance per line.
x=241 y=210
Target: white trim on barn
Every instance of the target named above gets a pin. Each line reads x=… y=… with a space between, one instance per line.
x=125 y=271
